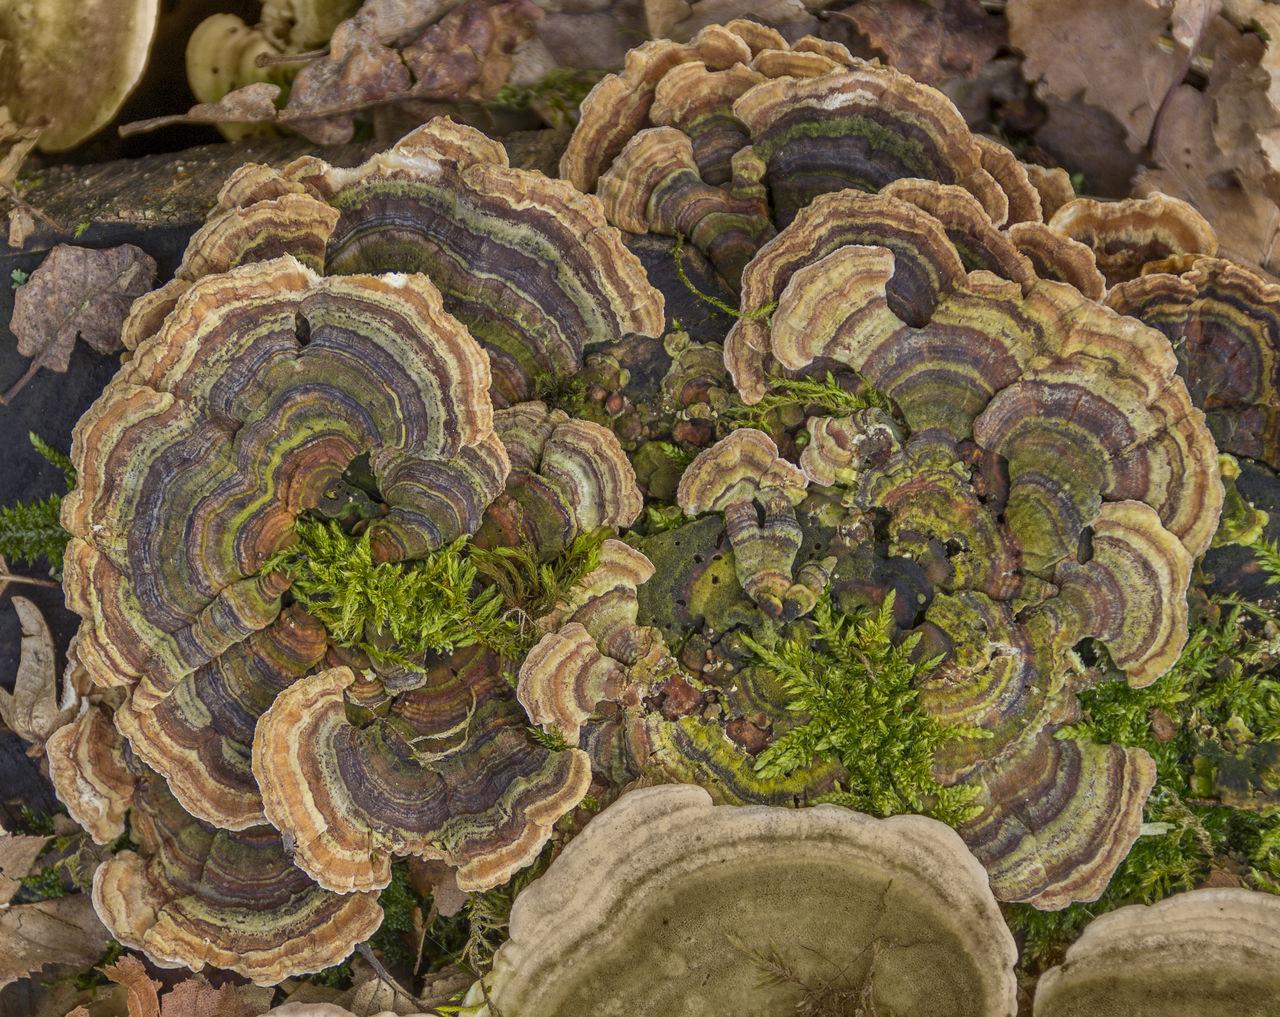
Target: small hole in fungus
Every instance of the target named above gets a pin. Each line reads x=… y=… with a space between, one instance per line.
x=1084 y=548
x=301 y=329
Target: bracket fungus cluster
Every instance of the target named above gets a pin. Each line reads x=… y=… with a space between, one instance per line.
x=892 y=915
x=288 y=369
x=952 y=393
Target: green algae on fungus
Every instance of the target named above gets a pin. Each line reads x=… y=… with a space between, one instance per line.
x=889 y=914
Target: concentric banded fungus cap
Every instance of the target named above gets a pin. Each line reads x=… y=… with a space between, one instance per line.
x=731 y=477
x=1225 y=322
x=449 y=773
x=90 y=771
x=261 y=388
x=1125 y=235
x=688 y=142
x=1057 y=816
x=1204 y=952
x=663 y=881
x=528 y=263
x=73 y=61
x=196 y=895
x=567 y=477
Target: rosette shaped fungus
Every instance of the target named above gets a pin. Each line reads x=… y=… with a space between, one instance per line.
x=892 y=915
x=448 y=773
x=548 y=277
x=191 y=894
x=1046 y=480
x=724 y=139
x=260 y=389
x=197 y=895
x=1224 y=323
x=261 y=393
x=1209 y=951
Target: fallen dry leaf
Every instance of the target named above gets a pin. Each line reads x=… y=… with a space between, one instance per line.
x=468 y=54
x=439 y=881
x=395 y=22
x=129 y=972
x=62 y=931
x=31 y=710
x=195 y=998
x=76 y=291
x=18 y=854
x=358 y=70
x=1107 y=52
x=930 y=40
x=1192 y=167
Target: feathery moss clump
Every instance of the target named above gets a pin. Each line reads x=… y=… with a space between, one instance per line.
x=456 y=596
x=859 y=690
x=394 y=611
x=32 y=533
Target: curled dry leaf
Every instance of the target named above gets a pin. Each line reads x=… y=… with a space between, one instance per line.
x=1191 y=166
x=62 y=931
x=253 y=103
x=195 y=998
x=31 y=709
x=383 y=55
x=932 y=40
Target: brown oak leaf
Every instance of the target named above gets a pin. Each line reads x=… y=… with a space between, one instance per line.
x=63 y=931
x=76 y=292
x=18 y=854
x=468 y=54
x=358 y=70
x=1107 y=52
x=930 y=40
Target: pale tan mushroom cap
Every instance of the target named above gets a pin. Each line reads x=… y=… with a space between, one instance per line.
x=667 y=904
x=1214 y=953
x=73 y=61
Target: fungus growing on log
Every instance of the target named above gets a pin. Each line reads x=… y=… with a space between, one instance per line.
x=551 y=275
x=1208 y=951
x=1125 y=235
x=723 y=140
x=1046 y=480
x=894 y=913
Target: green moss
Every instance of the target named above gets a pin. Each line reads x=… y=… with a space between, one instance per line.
x=93 y=977
x=810 y=397
x=557 y=96
x=31 y=533
x=858 y=688
x=394 y=611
